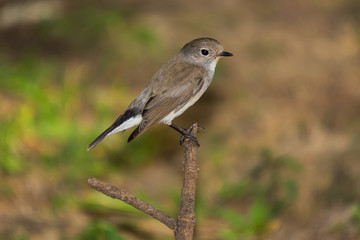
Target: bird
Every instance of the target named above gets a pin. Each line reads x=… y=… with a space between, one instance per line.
x=174 y=88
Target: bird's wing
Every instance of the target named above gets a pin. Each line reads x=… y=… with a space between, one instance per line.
x=185 y=82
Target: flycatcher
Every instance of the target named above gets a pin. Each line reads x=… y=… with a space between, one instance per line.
x=174 y=88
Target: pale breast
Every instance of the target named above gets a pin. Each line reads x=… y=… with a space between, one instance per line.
x=168 y=119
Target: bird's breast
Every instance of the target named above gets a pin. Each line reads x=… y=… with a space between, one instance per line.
x=177 y=112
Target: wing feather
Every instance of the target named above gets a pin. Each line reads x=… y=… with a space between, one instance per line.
x=170 y=94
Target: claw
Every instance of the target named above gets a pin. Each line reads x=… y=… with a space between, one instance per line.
x=189 y=130
x=200 y=128
x=186 y=133
x=190 y=137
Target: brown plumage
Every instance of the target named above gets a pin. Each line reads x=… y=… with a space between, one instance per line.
x=175 y=87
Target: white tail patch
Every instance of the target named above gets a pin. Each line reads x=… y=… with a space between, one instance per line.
x=133 y=121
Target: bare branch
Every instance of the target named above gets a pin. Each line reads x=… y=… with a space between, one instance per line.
x=186 y=219
x=114 y=192
x=183 y=226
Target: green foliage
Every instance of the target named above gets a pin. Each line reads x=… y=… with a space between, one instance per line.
x=45 y=98
x=253 y=223
x=270 y=188
x=20 y=238
x=48 y=101
x=100 y=230
x=356 y=214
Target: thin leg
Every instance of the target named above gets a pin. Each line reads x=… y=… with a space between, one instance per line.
x=181 y=130
x=185 y=133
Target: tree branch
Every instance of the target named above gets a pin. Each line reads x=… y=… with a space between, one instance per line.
x=183 y=226
x=114 y=192
x=186 y=219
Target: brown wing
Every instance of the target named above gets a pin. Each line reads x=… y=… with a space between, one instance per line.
x=172 y=95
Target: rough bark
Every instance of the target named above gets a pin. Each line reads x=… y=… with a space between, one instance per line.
x=183 y=226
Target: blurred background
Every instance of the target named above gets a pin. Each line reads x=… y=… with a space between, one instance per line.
x=280 y=156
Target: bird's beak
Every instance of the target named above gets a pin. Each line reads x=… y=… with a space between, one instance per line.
x=225 y=54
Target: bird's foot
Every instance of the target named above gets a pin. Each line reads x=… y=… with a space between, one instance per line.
x=187 y=134
x=189 y=130
x=188 y=137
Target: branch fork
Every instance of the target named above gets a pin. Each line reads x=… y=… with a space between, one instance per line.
x=183 y=225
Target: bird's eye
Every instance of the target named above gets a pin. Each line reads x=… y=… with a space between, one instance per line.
x=204 y=52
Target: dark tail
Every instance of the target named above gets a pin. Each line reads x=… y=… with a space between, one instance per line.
x=100 y=138
x=120 y=120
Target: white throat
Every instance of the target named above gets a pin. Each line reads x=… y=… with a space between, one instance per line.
x=211 y=67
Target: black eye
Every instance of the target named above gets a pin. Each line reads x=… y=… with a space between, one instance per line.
x=204 y=52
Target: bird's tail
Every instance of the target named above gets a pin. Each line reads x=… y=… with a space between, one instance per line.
x=128 y=119
x=101 y=137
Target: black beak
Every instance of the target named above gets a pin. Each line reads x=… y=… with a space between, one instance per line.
x=226 y=54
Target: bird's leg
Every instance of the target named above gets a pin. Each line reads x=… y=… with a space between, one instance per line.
x=185 y=133
x=179 y=129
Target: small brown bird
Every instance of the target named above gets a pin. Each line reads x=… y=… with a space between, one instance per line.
x=174 y=88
